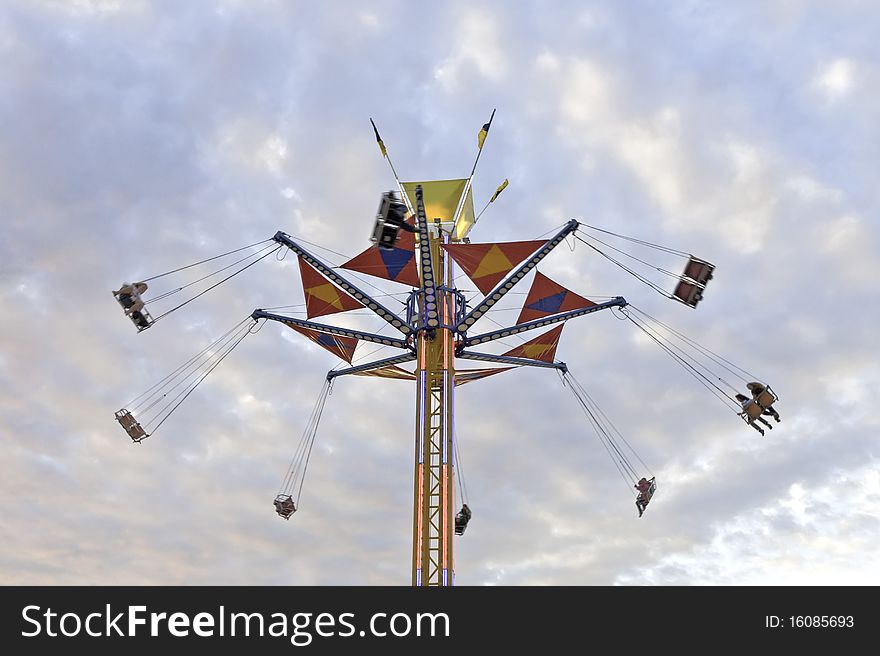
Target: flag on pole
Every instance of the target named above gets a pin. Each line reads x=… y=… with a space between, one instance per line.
x=379 y=140
x=498 y=191
x=481 y=137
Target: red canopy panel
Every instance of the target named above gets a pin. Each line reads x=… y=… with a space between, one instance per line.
x=397 y=264
x=469 y=375
x=487 y=264
x=542 y=348
x=548 y=297
x=342 y=347
x=322 y=296
x=391 y=371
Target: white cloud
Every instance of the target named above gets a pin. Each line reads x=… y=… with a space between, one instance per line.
x=477 y=51
x=95 y=7
x=817 y=535
x=836 y=78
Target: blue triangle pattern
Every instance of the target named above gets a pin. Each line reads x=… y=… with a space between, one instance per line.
x=550 y=304
x=395 y=260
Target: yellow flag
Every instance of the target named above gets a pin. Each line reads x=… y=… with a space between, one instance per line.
x=484 y=131
x=379 y=140
x=501 y=188
x=481 y=137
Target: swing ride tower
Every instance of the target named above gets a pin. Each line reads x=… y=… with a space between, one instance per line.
x=434 y=476
x=436 y=335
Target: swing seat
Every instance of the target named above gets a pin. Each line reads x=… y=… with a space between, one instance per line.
x=651 y=490
x=649 y=493
x=141 y=319
x=390 y=219
x=284 y=505
x=130 y=424
x=462 y=519
x=766 y=398
x=699 y=270
x=751 y=412
x=132 y=299
x=688 y=293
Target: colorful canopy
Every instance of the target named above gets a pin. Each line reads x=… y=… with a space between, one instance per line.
x=322 y=296
x=441 y=197
x=547 y=297
x=541 y=348
x=342 y=347
x=487 y=264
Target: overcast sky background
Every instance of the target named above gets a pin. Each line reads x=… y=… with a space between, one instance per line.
x=143 y=135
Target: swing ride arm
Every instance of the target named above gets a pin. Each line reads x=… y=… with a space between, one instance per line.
x=514 y=277
x=482 y=338
x=370 y=366
x=507 y=359
x=368 y=301
x=430 y=312
x=332 y=330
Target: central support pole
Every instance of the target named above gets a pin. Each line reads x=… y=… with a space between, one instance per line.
x=434 y=490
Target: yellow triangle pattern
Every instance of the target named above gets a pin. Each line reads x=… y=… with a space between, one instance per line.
x=535 y=351
x=327 y=293
x=495 y=261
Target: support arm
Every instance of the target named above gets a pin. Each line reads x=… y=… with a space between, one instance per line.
x=501 y=333
x=332 y=330
x=330 y=274
x=369 y=366
x=431 y=315
x=506 y=359
x=514 y=277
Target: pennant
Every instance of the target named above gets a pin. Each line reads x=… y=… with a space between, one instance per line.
x=484 y=131
x=322 y=296
x=397 y=264
x=498 y=191
x=541 y=348
x=469 y=375
x=547 y=297
x=342 y=347
x=487 y=264
x=379 y=140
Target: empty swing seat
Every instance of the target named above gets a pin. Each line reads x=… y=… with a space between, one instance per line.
x=130 y=424
x=390 y=219
x=699 y=270
x=688 y=293
x=284 y=505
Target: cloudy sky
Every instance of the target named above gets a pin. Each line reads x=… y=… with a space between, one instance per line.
x=143 y=135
